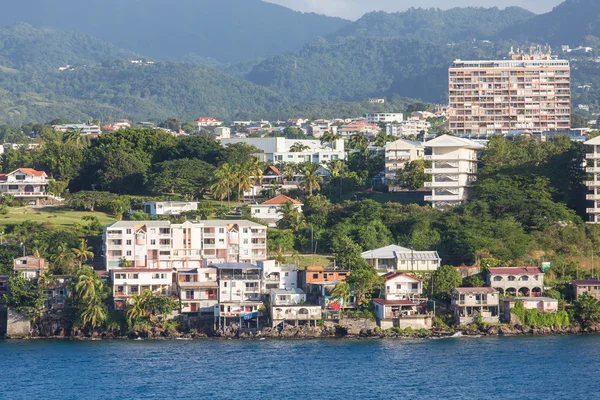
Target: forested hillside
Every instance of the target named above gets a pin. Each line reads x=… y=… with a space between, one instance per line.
x=438 y=26
x=225 y=30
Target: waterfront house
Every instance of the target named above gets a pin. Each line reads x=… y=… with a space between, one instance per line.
x=288 y=306
x=57 y=292
x=270 y=211
x=526 y=281
x=586 y=286
x=198 y=290
x=127 y=282
x=542 y=304
x=278 y=276
x=401 y=314
x=30 y=267
x=402 y=286
x=318 y=274
x=397 y=258
x=240 y=287
x=155 y=208
x=25 y=184
x=470 y=304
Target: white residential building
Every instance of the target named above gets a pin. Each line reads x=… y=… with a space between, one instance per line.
x=154 y=208
x=277 y=150
x=160 y=244
x=396 y=258
x=278 y=276
x=402 y=286
x=270 y=211
x=397 y=155
x=410 y=127
x=593 y=168
x=207 y=122
x=26 y=184
x=288 y=307
x=127 y=282
x=198 y=290
x=240 y=288
x=83 y=129
x=453 y=170
x=222 y=133
x=386 y=118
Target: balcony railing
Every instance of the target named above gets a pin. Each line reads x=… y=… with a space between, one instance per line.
x=592 y=183
x=592 y=170
x=592 y=156
x=442 y=184
x=592 y=196
x=592 y=210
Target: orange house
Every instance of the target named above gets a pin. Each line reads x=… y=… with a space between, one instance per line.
x=318 y=274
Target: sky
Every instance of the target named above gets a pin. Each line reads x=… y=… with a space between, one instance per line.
x=354 y=9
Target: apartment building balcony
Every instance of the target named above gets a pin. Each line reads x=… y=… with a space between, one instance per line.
x=209 y=245
x=475 y=303
x=592 y=183
x=114 y=246
x=592 y=210
x=199 y=297
x=437 y=170
x=397 y=158
x=592 y=170
x=467 y=157
x=448 y=197
x=592 y=197
x=209 y=235
x=259 y=245
x=442 y=184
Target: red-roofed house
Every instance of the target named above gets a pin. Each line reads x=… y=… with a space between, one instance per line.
x=468 y=304
x=25 y=183
x=402 y=286
x=526 y=281
x=207 y=122
x=270 y=210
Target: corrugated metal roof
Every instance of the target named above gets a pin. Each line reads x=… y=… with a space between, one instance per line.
x=401 y=253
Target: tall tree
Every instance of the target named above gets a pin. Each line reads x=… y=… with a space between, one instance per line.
x=310 y=179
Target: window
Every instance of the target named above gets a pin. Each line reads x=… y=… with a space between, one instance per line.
x=207 y=276
x=13 y=187
x=232 y=284
x=134 y=289
x=287 y=274
x=128 y=252
x=497 y=278
x=221 y=230
x=224 y=284
x=129 y=231
x=511 y=278
x=524 y=278
x=189 y=294
x=135 y=276
x=129 y=243
x=152 y=242
x=415 y=286
x=315 y=276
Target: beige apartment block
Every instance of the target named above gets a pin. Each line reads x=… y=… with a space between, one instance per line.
x=529 y=92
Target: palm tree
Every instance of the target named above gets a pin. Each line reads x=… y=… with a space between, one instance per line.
x=204 y=210
x=299 y=147
x=382 y=139
x=83 y=253
x=136 y=309
x=87 y=285
x=330 y=137
x=337 y=169
x=243 y=181
x=289 y=171
x=256 y=170
x=62 y=258
x=359 y=141
x=223 y=186
x=310 y=179
x=291 y=218
x=94 y=314
x=341 y=292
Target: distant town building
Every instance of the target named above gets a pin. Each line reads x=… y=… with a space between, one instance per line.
x=278 y=149
x=385 y=118
x=453 y=170
x=222 y=133
x=155 y=208
x=30 y=267
x=376 y=101
x=25 y=184
x=526 y=281
x=207 y=122
x=529 y=92
x=84 y=129
x=409 y=127
x=346 y=131
x=590 y=287
x=471 y=304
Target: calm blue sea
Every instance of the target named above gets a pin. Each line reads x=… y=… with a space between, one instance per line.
x=476 y=368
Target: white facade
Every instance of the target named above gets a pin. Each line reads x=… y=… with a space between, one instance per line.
x=154 y=208
x=207 y=122
x=198 y=290
x=276 y=150
x=386 y=118
x=83 y=129
x=127 y=282
x=400 y=286
x=222 y=133
x=410 y=127
x=278 y=276
x=396 y=258
x=397 y=155
x=287 y=306
x=160 y=244
x=453 y=171
x=24 y=183
x=593 y=168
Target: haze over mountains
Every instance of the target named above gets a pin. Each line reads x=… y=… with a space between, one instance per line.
x=273 y=61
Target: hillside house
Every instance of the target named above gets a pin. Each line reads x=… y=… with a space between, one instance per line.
x=471 y=304
x=25 y=184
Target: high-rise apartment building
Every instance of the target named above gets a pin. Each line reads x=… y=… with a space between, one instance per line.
x=593 y=168
x=529 y=92
x=160 y=244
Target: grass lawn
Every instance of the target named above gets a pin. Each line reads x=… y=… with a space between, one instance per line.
x=305 y=260
x=54 y=215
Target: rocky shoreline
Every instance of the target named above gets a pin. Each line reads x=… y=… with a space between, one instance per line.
x=329 y=332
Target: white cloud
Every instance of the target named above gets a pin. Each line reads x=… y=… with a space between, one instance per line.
x=354 y=9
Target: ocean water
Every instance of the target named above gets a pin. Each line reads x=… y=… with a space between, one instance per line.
x=556 y=367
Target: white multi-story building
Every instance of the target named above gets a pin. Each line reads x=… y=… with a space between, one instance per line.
x=207 y=122
x=154 y=208
x=25 y=184
x=593 y=168
x=288 y=306
x=410 y=127
x=386 y=118
x=222 y=132
x=127 y=282
x=278 y=276
x=160 y=244
x=84 y=129
x=198 y=290
x=453 y=170
x=402 y=286
x=277 y=150
x=397 y=155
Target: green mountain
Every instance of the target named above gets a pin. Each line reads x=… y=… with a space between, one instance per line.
x=223 y=30
x=568 y=23
x=438 y=26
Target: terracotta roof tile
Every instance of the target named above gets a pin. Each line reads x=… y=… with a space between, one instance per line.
x=281 y=199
